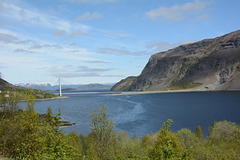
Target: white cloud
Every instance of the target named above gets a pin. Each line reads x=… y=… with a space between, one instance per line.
x=188 y=11
x=90 y=74
x=91 y=1
x=1 y=10
x=33 y=17
x=12 y=44
x=32 y=42
x=113 y=75
x=118 y=35
x=72 y=71
x=19 y=50
x=88 y=16
x=97 y=61
x=116 y=51
x=74 y=34
x=160 y=46
x=72 y=44
x=12 y=60
x=7 y=38
x=88 y=69
x=75 y=75
x=59 y=33
x=46 y=46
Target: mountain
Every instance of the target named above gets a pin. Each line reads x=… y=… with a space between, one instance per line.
x=36 y=86
x=56 y=87
x=210 y=64
x=5 y=85
x=95 y=86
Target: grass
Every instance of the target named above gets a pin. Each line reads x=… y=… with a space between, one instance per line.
x=148 y=87
x=185 y=85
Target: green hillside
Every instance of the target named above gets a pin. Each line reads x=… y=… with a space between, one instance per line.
x=20 y=93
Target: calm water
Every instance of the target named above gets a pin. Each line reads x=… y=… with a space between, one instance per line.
x=145 y=114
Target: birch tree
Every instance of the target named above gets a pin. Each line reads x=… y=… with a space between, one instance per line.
x=103 y=135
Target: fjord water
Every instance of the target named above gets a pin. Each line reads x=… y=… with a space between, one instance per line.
x=145 y=113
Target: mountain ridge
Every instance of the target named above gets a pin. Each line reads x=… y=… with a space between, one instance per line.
x=48 y=86
x=207 y=64
x=5 y=85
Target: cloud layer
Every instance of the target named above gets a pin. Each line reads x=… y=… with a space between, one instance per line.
x=91 y=1
x=89 y=40
x=88 y=16
x=160 y=46
x=112 y=51
x=188 y=11
x=80 y=71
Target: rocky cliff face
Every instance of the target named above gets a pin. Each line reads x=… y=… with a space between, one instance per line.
x=208 y=64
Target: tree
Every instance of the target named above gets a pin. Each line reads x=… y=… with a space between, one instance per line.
x=8 y=105
x=222 y=143
x=30 y=144
x=22 y=134
x=146 y=144
x=56 y=142
x=9 y=131
x=186 y=137
x=27 y=135
x=102 y=133
x=199 y=133
x=84 y=144
x=168 y=145
x=75 y=141
x=166 y=125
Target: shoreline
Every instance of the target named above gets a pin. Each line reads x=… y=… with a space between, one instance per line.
x=168 y=91
x=47 y=99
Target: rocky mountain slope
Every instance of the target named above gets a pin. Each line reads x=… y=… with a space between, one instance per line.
x=5 y=85
x=210 y=64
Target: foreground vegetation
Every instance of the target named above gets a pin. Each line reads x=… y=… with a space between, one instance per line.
x=24 y=134
x=21 y=94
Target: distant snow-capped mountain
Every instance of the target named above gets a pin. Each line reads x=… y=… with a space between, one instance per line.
x=46 y=86
x=55 y=87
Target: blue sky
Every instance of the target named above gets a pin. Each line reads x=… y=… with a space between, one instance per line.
x=101 y=41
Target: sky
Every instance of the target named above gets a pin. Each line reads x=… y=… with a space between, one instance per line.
x=101 y=41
